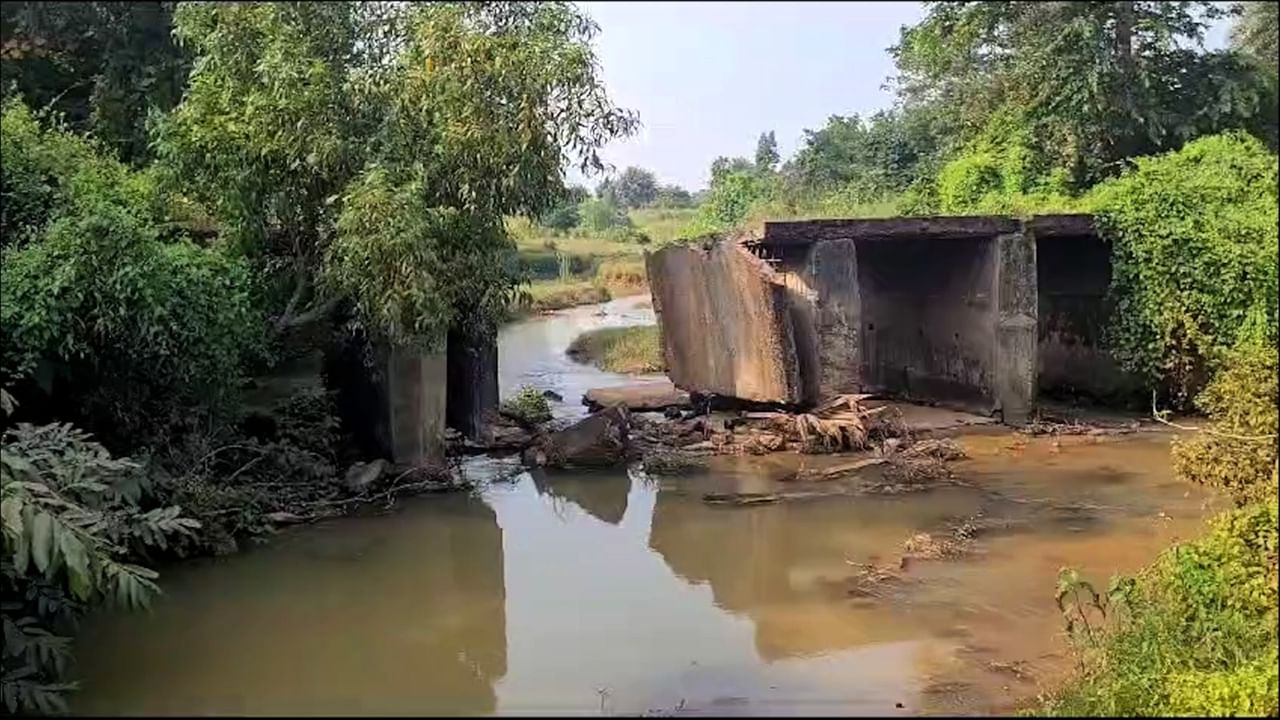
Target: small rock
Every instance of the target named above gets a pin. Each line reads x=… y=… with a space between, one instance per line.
x=552 y=395
x=361 y=475
x=672 y=413
x=505 y=437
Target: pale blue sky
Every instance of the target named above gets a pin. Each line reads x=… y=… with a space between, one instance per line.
x=708 y=77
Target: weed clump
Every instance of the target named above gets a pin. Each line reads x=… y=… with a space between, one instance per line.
x=528 y=406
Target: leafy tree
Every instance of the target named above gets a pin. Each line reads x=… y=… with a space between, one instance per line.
x=102 y=319
x=673 y=196
x=299 y=113
x=1256 y=32
x=103 y=65
x=767 y=152
x=563 y=216
x=600 y=214
x=635 y=188
x=724 y=166
x=1096 y=82
x=879 y=155
x=48 y=171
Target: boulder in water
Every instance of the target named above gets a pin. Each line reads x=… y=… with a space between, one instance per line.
x=596 y=441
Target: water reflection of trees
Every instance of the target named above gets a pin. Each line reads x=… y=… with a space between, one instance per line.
x=601 y=494
x=783 y=566
x=399 y=614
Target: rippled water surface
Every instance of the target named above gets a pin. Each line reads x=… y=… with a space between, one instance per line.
x=619 y=593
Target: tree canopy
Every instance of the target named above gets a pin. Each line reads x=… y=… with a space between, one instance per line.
x=104 y=66
x=767 y=152
x=1094 y=82
x=298 y=114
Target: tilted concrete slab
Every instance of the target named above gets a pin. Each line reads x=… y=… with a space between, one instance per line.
x=725 y=322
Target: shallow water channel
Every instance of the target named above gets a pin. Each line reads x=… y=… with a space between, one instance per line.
x=620 y=593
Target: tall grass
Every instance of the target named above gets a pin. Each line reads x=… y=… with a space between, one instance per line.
x=623 y=350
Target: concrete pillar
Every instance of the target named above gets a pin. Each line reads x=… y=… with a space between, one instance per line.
x=833 y=277
x=473 y=382
x=1016 y=326
x=416 y=385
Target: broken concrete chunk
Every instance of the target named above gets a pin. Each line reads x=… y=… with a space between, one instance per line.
x=638 y=397
x=725 y=321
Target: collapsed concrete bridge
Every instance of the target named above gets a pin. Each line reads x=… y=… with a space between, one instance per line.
x=982 y=313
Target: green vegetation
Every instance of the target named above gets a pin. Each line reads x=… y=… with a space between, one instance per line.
x=73 y=517
x=528 y=405
x=1241 y=399
x=1195 y=633
x=196 y=193
x=622 y=350
x=547 y=295
x=1194 y=253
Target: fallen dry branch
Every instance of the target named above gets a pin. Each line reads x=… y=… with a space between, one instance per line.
x=1162 y=416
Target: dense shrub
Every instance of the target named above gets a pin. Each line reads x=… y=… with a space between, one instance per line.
x=119 y=329
x=1194 y=237
x=1241 y=399
x=528 y=405
x=598 y=215
x=1196 y=633
x=48 y=172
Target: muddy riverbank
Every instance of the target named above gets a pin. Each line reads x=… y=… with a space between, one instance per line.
x=621 y=592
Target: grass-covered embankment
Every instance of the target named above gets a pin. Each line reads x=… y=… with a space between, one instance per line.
x=568 y=270
x=623 y=350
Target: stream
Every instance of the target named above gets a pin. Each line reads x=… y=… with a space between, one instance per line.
x=616 y=592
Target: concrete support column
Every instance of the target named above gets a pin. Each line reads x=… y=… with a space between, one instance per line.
x=833 y=277
x=1016 y=321
x=473 y=382
x=416 y=385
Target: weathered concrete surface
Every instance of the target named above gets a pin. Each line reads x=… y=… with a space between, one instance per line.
x=960 y=310
x=637 y=397
x=805 y=232
x=472 y=392
x=416 y=389
x=928 y=322
x=725 y=323
x=833 y=269
x=1073 y=275
x=1016 y=327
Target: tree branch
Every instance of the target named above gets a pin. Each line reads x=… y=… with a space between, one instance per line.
x=312 y=314
x=1160 y=415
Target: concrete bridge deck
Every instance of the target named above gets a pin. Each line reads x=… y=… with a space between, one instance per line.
x=983 y=313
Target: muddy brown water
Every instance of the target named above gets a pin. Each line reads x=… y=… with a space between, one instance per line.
x=621 y=593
